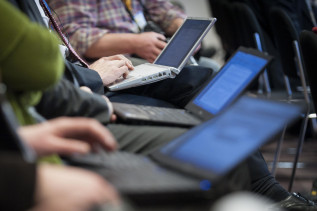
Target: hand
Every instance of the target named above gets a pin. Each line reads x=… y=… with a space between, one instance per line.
x=113 y=117
x=111 y=68
x=149 y=45
x=86 y=89
x=67 y=136
x=71 y=189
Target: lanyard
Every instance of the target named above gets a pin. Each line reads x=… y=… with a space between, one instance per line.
x=128 y=4
x=128 y=7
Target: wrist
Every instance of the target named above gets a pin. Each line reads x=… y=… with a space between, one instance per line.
x=134 y=43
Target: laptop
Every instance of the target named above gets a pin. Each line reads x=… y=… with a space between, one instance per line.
x=230 y=82
x=173 y=57
x=191 y=165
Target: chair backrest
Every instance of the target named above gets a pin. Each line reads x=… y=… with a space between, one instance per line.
x=308 y=43
x=225 y=25
x=248 y=25
x=284 y=34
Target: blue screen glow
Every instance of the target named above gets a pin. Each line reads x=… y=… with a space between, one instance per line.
x=231 y=80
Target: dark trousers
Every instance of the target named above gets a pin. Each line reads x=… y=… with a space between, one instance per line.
x=262 y=182
x=177 y=91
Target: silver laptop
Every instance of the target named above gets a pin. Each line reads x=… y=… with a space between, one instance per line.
x=173 y=57
x=191 y=165
x=234 y=77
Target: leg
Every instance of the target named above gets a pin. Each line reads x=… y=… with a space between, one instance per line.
x=143 y=139
x=178 y=91
x=262 y=181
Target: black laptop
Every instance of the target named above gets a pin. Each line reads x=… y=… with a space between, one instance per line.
x=219 y=92
x=190 y=165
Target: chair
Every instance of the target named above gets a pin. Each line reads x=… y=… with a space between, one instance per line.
x=250 y=34
x=225 y=26
x=308 y=43
x=286 y=36
x=286 y=39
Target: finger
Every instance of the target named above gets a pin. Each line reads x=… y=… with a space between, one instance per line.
x=110 y=195
x=113 y=118
x=66 y=146
x=123 y=71
x=129 y=65
x=160 y=44
x=86 y=89
x=160 y=36
x=85 y=129
x=118 y=63
x=156 y=52
x=125 y=74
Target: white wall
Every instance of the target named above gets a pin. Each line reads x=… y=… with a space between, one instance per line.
x=200 y=8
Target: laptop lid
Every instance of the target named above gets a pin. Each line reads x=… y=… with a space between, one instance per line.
x=218 y=145
x=184 y=42
x=230 y=82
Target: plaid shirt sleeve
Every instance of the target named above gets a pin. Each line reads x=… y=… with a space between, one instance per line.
x=79 y=21
x=163 y=12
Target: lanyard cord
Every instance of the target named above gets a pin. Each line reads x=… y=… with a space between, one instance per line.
x=128 y=7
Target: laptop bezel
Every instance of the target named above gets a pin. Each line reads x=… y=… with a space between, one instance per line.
x=205 y=115
x=195 y=46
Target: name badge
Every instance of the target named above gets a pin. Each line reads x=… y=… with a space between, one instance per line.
x=140 y=19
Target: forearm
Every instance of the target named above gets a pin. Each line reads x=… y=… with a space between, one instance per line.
x=28 y=50
x=66 y=100
x=113 y=43
x=176 y=23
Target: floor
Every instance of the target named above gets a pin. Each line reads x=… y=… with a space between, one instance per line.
x=307 y=166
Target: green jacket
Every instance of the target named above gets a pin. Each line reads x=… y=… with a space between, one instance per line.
x=30 y=61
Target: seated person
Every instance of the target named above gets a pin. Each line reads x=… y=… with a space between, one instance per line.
x=51 y=187
x=100 y=32
x=177 y=91
x=43 y=187
x=136 y=139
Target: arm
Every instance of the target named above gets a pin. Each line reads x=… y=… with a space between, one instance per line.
x=96 y=37
x=167 y=16
x=67 y=136
x=27 y=65
x=147 y=45
x=45 y=187
x=65 y=99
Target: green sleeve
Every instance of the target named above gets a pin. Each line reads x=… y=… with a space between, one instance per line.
x=29 y=55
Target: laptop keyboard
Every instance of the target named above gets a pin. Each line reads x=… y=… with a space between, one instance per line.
x=146 y=69
x=138 y=174
x=160 y=114
x=130 y=172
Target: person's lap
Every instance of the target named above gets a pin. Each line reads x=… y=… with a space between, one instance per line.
x=143 y=139
x=177 y=91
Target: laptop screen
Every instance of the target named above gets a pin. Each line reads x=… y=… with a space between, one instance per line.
x=183 y=42
x=221 y=143
x=232 y=79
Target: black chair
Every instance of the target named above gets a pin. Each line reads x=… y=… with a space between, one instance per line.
x=250 y=35
x=287 y=38
x=225 y=27
x=308 y=43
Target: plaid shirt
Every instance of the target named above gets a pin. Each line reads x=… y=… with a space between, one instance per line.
x=86 y=21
